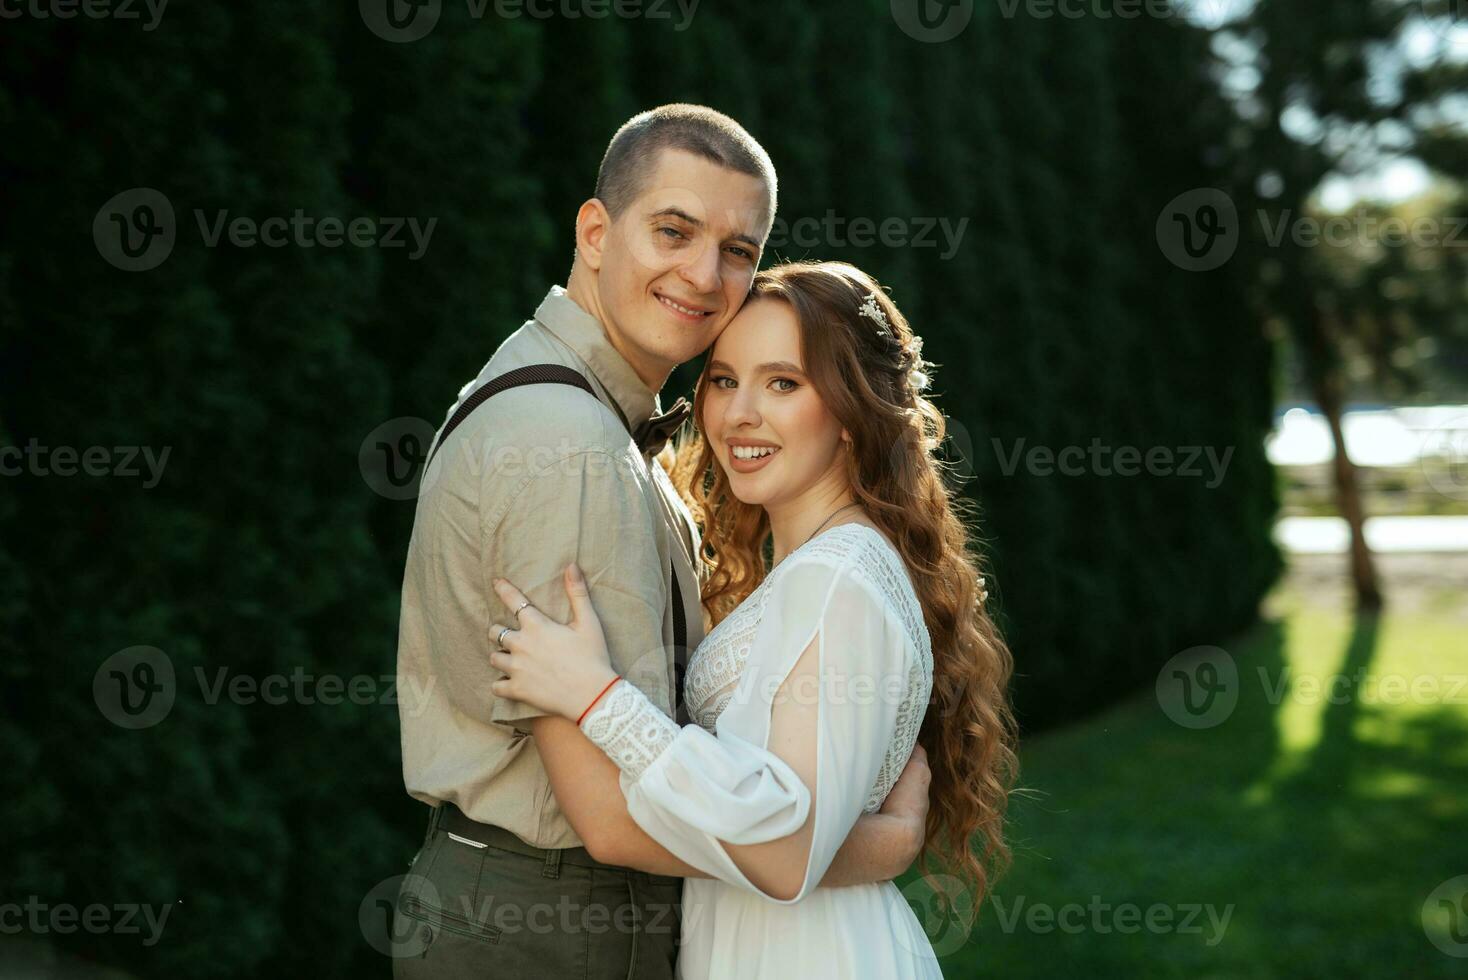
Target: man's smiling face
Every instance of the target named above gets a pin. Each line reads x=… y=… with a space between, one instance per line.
x=676 y=265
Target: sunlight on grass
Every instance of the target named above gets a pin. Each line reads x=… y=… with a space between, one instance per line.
x=1318 y=817
x=1407 y=677
x=1298 y=693
x=1387 y=785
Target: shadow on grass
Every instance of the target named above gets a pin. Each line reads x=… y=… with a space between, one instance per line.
x=1150 y=849
x=1337 y=751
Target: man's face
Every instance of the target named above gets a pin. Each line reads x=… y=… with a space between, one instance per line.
x=677 y=263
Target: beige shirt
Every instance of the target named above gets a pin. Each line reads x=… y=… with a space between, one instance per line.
x=534 y=478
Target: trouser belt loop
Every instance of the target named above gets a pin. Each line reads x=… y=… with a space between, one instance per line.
x=552 y=867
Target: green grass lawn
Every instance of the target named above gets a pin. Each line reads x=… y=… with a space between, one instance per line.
x=1313 y=825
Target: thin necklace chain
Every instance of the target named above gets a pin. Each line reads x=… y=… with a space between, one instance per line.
x=830 y=517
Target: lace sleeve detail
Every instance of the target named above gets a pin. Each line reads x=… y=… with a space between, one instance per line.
x=629 y=728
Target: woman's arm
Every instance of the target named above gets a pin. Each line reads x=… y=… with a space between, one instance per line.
x=584 y=781
x=768 y=803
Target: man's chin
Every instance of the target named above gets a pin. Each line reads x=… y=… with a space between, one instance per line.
x=682 y=353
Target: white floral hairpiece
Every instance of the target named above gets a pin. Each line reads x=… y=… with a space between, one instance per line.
x=917 y=376
x=871 y=310
x=917 y=379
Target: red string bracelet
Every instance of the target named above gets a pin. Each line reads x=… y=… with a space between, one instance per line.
x=597 y=698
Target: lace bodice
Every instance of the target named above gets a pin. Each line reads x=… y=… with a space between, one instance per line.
x=715 y=667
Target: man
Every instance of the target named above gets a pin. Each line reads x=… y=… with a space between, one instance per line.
x=531 y=866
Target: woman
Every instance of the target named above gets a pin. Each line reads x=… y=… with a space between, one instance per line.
x=866 y=636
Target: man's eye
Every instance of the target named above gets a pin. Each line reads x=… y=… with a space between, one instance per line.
x=671 y=233
x=742 y=252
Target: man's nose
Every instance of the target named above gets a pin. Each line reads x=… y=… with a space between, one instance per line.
x=701 y=272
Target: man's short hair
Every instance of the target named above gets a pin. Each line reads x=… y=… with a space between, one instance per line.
x=708 y=133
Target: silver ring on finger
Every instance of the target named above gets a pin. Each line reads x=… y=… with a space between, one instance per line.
x=520 y=608
x=500 y=640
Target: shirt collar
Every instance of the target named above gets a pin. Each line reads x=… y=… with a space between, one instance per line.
x=584 y=334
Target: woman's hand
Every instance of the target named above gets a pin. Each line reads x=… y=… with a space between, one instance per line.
x=558 y=669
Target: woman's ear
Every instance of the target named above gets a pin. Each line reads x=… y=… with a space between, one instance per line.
x=846 y=437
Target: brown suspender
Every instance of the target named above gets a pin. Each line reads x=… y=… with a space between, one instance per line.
x=535 y=374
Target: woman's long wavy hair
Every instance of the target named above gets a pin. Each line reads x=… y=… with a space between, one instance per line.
x=870 y=379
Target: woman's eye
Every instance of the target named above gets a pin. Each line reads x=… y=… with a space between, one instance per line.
x=719 y=382
x=784 y=381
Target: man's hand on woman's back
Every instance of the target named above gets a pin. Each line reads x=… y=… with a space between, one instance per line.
x=908 y=801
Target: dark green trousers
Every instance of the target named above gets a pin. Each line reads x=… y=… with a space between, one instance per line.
x=491 y=906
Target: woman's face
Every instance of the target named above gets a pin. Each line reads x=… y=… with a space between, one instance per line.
x=770 y=431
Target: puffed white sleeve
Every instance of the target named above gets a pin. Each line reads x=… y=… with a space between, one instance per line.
x=693 y=791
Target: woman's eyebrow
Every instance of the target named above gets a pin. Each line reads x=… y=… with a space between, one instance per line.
x=771 y=367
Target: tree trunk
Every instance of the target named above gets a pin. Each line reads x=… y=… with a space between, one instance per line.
x=1326 y=382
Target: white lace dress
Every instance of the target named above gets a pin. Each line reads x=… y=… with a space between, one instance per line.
x=846 y=595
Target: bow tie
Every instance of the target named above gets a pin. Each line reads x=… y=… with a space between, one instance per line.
x=654 y=434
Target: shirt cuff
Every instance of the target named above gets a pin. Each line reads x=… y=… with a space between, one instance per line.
x=630 y=729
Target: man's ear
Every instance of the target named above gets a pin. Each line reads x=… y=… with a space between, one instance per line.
x=593 y=224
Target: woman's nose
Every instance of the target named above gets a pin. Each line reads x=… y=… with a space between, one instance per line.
x=743 y=409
